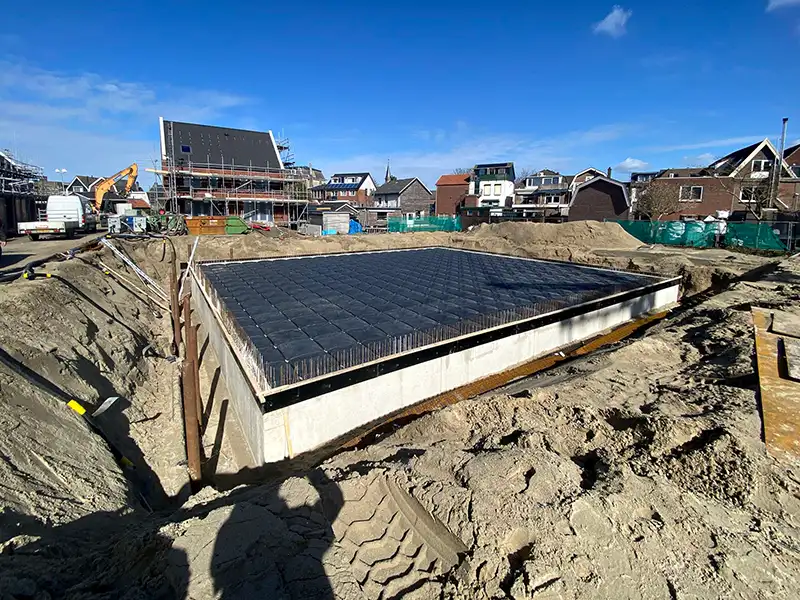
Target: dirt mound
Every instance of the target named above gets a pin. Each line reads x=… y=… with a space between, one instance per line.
x=578 y=234
x=635 y=472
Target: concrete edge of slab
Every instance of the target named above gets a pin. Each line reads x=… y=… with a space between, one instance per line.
x=312 y=423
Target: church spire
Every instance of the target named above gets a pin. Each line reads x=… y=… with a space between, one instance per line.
x=388 y=177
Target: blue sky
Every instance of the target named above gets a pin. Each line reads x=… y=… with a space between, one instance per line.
x=431 y=85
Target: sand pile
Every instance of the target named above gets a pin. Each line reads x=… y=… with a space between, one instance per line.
x=580 y=234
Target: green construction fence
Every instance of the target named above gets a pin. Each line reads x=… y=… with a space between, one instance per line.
x=403 y=224
x=698 y=234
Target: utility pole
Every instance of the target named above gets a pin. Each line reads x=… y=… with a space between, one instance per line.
x=777 y=168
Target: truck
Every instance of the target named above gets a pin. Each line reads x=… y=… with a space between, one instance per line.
x=64 y=215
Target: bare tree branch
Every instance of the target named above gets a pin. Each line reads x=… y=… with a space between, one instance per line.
x=754 y=194
x=462 y=171
x=657 y=199
x=522 y=175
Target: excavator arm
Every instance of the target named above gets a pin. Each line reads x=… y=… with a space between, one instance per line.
x=101 y=189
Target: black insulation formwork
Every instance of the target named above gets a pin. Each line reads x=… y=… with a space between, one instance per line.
x=304 y=317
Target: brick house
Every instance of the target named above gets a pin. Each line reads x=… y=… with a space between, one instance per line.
x=355 y=188
x=409 y=196
x=728 y=185
x=451 y=192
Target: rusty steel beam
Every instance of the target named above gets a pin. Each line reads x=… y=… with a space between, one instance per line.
x=780 y=396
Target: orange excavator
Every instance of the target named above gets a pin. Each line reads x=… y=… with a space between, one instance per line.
x=101 y=189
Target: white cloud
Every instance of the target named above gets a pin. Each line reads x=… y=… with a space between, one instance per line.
x=775 y=4
x=733 y=141
x=91 y=124
x=563 y=153
x=630 y=165
x=615 y=22
x=701 y=160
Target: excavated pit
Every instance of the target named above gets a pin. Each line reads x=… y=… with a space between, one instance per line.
x=315 y=347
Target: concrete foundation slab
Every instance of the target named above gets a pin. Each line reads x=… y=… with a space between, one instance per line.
x=330 y=343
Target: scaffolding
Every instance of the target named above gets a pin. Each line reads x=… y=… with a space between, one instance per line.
x=17 y=177
x=253 y=192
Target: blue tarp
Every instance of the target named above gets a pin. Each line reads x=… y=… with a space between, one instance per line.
x=355 y=227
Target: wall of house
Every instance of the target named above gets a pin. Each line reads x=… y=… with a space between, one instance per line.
x=506 y=190
x=416 y=199
x=599 y=201
x=723 y=194
x=448 y=197
x=387 y=200
x=375 y=217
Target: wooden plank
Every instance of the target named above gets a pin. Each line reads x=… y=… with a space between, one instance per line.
x=792 y=346
x=784 y=323
x=780 y=398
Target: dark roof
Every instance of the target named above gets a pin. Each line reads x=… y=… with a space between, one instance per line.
x=397 y=186
x=499 y=164
x=728 y=163
x=791 y=150
x=362 y=176
x=342 y=186
x=196 y=143
x=568 y=179
x=335 y=206
x=85 y=180
x=548 y=172
x=686 y=172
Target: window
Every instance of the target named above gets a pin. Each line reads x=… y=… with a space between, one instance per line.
x=335 y=180
x=753 y=193
x=487 y=190
x=352 y=193
x=691 y=193
x=497 y=189
x=186 y=149
x=382 y=216
x=760 y=166
x=587 y=177
x=672 y=174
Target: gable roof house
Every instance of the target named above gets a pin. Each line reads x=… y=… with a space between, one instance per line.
x=410 y=196
x=451 y=193
x=543 y=195
x=586 y=175
x=599 y=198
x=730 y=184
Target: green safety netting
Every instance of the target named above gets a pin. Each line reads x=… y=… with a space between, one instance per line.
x=761 y=236
x=697 y=234
x=403 y=224
x=673 y=233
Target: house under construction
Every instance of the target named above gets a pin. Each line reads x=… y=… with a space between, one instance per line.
x=208 y=171
x=21 y=190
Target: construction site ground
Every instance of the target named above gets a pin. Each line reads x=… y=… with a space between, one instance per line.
x=638 y=471
x=19 y=251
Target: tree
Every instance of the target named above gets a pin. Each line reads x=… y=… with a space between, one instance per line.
x=462 y=171
x=754 y=193
x=522 y=175
x=656 y=199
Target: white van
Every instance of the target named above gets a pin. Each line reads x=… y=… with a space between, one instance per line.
x=64 y=215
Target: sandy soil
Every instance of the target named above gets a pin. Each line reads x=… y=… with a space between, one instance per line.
x=637 y=472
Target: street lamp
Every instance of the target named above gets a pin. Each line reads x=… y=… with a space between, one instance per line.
x=61 y=172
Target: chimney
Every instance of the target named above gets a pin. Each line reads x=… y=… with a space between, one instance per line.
x=608 y=173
